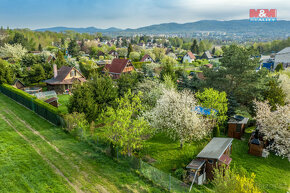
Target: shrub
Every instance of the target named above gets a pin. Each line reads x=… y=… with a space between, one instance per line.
x=226 y=180
x=18 y=91
x=180 y=173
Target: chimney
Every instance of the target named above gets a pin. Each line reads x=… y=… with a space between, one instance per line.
x=54 y=70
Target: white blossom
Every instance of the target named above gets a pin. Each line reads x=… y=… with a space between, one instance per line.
x=275 y=127
x=174 y=115
x=285 y=84
x=14 y=51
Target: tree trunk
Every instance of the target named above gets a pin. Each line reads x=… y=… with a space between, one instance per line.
x=181 y=144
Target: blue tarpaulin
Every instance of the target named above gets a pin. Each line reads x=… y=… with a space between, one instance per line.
x=205 y=111
x=268 y=65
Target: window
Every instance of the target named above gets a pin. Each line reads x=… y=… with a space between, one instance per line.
x=210 y=161
x=72 y=73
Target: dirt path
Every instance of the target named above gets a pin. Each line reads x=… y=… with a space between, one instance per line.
x=34 y=131
x=57 y=171
x=98 y=187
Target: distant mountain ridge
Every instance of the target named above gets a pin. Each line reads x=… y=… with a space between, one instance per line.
x=80 y=30
x=203 y=25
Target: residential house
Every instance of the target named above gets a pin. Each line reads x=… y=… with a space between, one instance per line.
x=51 y=58
x=103 y=62
x=188 y=57
x=100 y=53
x=146 y=58
x=64 y=78
x=114 y=53
x=206 y=55
x=118 y=67
x=282 y=57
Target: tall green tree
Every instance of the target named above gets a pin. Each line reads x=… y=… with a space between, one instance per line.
x=130 y=49
x=36 y=74
x=60 y=61
x=101 y=93
x=73 y=48
x=82 y=101
x=275 y=94
x=40 y=47
x=237 y=75
x=6 y=74
x=194 y=47
x=121 y=125
x=127 y=82
x=215 y=100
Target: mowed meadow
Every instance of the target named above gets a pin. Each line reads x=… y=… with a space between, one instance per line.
x=36 y=156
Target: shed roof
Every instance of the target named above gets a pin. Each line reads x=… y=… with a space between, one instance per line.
x=195 y=164
x=238 y=121
x=50 y=100
x=215 y=148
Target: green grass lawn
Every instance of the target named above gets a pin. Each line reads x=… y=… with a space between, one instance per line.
x=63 y=100
x=272 y=173
x=35 y=165
x=167 y=153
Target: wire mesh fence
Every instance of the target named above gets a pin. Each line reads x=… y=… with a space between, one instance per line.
x=35 y=107
x=158 y=177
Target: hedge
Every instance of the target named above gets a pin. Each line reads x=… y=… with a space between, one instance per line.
x=18 y=91
x=40 y=107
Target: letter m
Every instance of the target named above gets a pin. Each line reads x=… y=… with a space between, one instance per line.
x=254 y=13
x=271 y=12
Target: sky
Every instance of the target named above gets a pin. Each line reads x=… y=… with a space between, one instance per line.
x=123 y=14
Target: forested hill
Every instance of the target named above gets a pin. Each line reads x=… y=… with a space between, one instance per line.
x=203 y=25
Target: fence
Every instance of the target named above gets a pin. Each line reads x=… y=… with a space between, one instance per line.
x=156 y=176
x=151 y=173
x=39 y=107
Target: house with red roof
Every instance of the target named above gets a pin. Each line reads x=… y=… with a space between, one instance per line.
x=114 y=53
x=188 y=57
x=146 y=58
x=118 y=67
x=64 y=78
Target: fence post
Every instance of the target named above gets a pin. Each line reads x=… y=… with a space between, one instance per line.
x=140 y=162
x=169 y=182
x=117 y=154
x=32 y=104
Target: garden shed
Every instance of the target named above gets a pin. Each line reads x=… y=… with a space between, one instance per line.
x=215 y=153
x=257 y=144
x=52 y=101
x=196 y=171
x=237 y=126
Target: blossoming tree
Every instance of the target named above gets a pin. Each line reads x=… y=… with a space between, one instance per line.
x=175 y=116
x=275 y=127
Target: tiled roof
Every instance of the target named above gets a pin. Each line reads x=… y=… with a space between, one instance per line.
x=61 y=74
x=190 y=54
x=145 y=57
x=117 y=66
